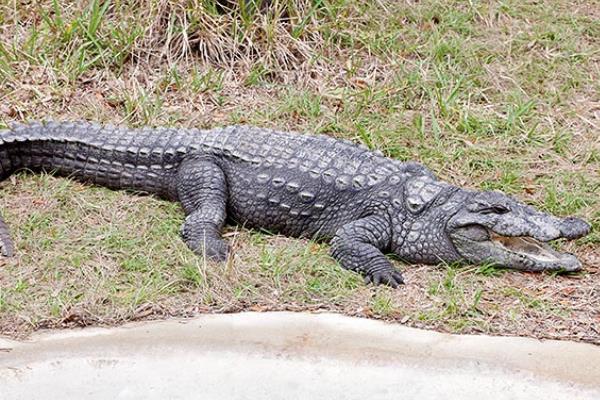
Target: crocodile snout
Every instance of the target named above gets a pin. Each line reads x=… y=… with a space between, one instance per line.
x=574 y=228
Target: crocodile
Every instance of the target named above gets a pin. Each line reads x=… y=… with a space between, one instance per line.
x=365 y=204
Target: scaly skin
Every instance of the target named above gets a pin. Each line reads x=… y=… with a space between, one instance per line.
x=298 y=185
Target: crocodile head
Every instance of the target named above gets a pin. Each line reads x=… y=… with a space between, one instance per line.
x=490 y=227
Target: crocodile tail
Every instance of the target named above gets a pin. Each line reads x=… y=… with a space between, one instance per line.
x=6 y=245
x=15 y=134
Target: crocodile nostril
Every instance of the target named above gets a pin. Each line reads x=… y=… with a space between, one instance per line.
x=573 y=228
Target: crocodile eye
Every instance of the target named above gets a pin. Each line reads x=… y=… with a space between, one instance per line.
x=494 y=209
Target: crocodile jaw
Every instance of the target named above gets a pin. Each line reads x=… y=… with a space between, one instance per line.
x=477 y=244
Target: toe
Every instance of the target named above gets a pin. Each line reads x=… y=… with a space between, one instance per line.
x=391 y=282
x=377 y=280
x=398 y=277
x=213 y=250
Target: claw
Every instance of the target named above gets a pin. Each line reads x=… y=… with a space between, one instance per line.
x=391 y=282
x=398 y=277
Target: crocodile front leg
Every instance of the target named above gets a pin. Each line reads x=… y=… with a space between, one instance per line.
x=6 y=245
x=357 y=246
x=202 y=190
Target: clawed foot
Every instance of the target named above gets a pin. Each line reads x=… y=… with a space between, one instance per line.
x=212 y=249
x=391 y=278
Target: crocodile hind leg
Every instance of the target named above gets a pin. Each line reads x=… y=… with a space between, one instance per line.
x=202 y=190
x=6 y=245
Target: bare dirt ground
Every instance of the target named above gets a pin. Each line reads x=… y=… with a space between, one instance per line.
x=489 y=95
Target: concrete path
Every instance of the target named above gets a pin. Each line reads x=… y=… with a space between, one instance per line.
x=291 y=356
